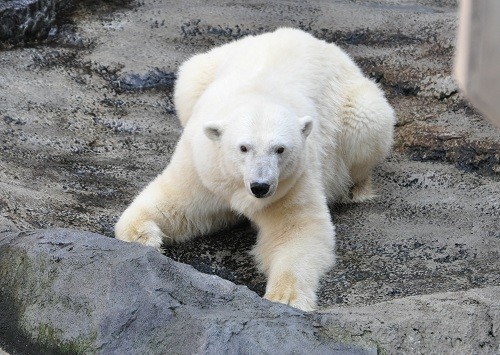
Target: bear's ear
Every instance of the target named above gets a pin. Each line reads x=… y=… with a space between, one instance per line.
x=213 y=130
x=307 y=125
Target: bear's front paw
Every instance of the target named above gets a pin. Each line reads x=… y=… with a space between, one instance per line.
x=285 y=291
x=147 y=233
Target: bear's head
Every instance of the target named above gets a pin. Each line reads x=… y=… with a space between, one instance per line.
x=261 y=145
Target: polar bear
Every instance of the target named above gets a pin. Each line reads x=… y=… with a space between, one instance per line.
x=275 y=126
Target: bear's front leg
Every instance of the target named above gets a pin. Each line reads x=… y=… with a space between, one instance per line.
x=173 y=207
x=156 y=215
x=295 y=247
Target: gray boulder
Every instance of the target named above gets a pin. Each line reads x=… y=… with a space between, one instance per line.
x=63 y=291
x=22 y=20
x=465 y=322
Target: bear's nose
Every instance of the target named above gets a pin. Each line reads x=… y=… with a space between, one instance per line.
x=259 y=189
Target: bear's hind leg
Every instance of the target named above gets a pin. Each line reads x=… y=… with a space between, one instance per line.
x=362 y=188
x=367 y=135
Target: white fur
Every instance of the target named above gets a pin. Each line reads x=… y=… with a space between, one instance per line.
x=284 y=89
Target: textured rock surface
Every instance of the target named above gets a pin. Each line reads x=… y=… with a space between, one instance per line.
x=87 y=120
x=62 y=290
x=25 y=20
x=467 y=322
x=79 y=292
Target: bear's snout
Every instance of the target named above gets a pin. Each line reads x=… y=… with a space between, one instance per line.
x=259 y=189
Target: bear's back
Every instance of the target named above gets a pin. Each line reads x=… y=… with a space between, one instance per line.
x=287 y=51
x=287 y=63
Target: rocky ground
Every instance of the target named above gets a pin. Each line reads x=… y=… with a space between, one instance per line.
x=86 y=120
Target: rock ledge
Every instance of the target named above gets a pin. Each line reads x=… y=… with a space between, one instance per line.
x=64 y=291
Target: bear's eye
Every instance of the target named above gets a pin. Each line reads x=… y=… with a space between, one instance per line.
x=243 y=148
x=280 y=150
